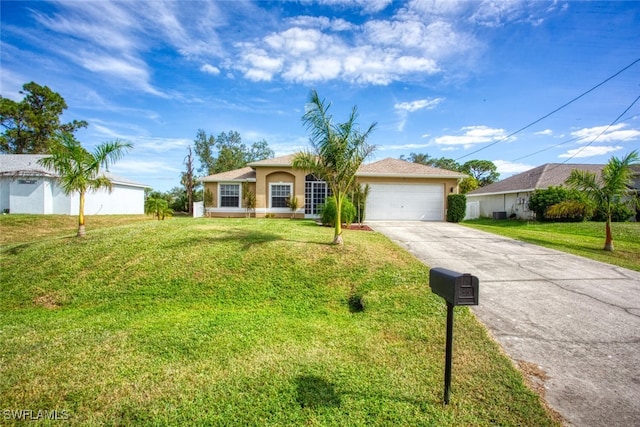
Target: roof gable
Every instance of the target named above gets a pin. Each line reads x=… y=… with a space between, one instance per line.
x=396 y=167
x=282 y=161
x=246 y=173
x=541 y=177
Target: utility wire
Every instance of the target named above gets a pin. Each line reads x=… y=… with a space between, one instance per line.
x=603 y=131
x=551 y=113
x=561 y=143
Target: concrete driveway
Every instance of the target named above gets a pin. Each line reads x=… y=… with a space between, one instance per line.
x=574 y=321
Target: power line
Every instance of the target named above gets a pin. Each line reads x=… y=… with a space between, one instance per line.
x=553 y=112
x=604 y=131
x=561 y=143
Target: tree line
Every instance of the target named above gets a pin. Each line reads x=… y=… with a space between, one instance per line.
x=481 y=172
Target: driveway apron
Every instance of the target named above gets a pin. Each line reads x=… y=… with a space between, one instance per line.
x=576 y=321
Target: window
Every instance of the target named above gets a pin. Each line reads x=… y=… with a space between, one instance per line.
x=229 y=195
x=280 y=194
x=27 y=181
x=315 y=194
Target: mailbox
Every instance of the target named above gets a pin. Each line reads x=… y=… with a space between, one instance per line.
x=455 y=288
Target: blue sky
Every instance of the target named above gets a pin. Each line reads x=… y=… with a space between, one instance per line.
x=446 y=78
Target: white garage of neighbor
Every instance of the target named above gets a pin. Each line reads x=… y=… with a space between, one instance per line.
x=26 y=187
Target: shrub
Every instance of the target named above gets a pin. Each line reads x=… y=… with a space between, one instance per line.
x=569 y=211
x=541 y=200
x=328 y=212
x=620 y=212
x=457 y=207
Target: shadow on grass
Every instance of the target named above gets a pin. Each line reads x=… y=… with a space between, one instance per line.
x=313 y=392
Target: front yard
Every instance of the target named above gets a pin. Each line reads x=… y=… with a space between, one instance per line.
x=238 y=322
x=579 y=238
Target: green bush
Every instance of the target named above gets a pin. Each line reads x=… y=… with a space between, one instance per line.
x=328 y=212
x=619 y=213
x=568 y=211
x=457 y=207
x=541 y=200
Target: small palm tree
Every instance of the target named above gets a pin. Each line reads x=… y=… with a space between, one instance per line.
x=613 y=186
x=79 y=170
x=158 y=208
x=338 y=150
x=292 y=202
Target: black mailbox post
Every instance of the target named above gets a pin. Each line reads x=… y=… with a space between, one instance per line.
x=456 y=289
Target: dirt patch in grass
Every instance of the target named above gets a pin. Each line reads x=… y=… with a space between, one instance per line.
x=535 y=378
x=48 y=301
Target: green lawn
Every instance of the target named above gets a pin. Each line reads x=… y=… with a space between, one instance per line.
x=238 y=322
x=579 y=238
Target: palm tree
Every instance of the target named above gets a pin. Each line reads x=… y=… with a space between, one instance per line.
x=337 y=152
x=608 y=190
x=157 y=207
x=79 y=170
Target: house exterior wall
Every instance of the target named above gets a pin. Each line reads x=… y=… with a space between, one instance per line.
x=44 y=196
x=4 y=194
x=212 y=207
x=511 y=203
x=26 y=195
x=265 y=176
x=123 y=200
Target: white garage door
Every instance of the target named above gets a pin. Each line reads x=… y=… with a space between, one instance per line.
x=423 y=202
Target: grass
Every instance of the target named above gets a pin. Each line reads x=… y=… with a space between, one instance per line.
x=238 y=322
x=579 y=238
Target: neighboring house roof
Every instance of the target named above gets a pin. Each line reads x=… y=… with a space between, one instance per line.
x=15 y=165
x=244 y=174
x=390 y=167
x=545 y=176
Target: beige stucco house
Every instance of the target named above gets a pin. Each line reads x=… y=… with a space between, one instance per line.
x=399 y=190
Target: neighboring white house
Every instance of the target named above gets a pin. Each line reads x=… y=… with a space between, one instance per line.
x=27 y=187
x=510 y=197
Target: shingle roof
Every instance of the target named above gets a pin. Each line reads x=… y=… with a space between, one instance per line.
x=244 y=174
x=276 y=161
x=394 y=167
x=27 y=165
x=545 y=176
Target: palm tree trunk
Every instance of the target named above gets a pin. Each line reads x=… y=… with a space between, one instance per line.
x=81 y=231
x=337 y=235
x=608 y=242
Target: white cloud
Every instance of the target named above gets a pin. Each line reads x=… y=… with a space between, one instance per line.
x=615 y=133
x=506 y=167
x=472 y=135
x=590 y=151
x=546 y=132
x=369 y=6
x=210 y=69
x=418 y=104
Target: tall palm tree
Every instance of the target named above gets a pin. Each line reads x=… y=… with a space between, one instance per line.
x=610 y=189
x=79 y=170
x=337 y=152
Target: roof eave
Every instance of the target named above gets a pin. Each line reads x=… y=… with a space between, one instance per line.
x=400 y=175
x=497 y=193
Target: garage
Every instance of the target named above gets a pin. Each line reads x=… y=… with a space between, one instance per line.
x=418 y=202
